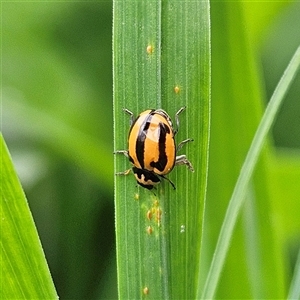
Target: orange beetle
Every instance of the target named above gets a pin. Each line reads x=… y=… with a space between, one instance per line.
x=152 y=149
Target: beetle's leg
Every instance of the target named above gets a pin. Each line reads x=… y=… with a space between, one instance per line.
x=124 y=172
x=166 y=178
x=177 y=118
x=182 y=160
x=127 y=111
x=181 y=144
x=125 y=152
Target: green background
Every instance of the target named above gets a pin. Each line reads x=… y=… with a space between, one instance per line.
x=57 y=122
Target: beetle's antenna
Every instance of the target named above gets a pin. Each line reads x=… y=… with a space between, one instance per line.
x=173 y=185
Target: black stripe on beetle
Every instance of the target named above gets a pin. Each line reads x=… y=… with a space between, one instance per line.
x=140 y=142
x=162 y=158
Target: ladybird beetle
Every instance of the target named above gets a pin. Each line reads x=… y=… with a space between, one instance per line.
x=152 y=149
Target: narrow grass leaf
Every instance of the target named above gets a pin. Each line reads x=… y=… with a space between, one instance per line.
x=24 y=270
x=240 y=189
x=294 y=292
x=161 y=60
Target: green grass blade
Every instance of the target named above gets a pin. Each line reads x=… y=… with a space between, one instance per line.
x=294 y=292
x=24 y=270
x=240 y=189
x=161 y=60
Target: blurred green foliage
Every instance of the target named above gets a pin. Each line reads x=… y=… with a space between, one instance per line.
x=57 y=103
x=57 y=112
x=277 y=48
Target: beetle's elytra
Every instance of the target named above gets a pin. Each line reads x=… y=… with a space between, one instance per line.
x=151 y=147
